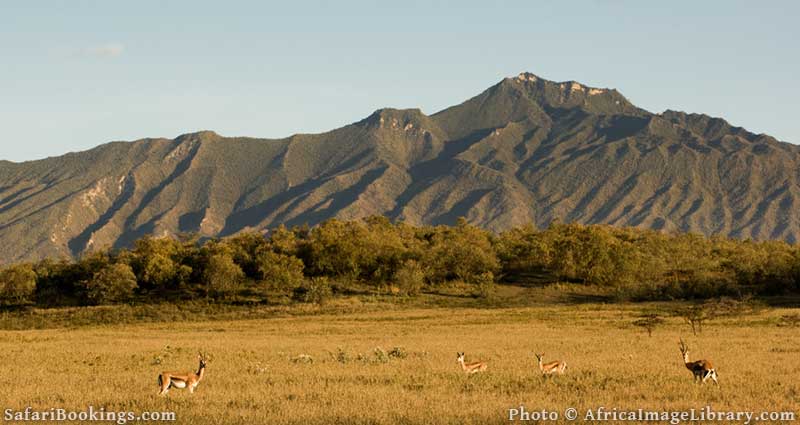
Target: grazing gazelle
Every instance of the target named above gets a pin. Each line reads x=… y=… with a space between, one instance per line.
x=558 y=366
x=701 y=369
x=471 y=368
x=167 y=380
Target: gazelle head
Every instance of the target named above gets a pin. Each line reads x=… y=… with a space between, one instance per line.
x=539 y=357
x=460 y=358
x=684 y=350
x=202 y=358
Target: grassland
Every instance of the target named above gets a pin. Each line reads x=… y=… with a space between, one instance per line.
x=255 y=376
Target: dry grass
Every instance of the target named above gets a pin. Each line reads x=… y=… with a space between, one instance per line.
x=257 y=373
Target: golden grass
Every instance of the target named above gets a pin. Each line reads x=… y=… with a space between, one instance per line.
x=251 y=377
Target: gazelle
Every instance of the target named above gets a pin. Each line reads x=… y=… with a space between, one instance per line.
x=701 y=369
x=167 y=380
x=471 y=368
x=557 y=366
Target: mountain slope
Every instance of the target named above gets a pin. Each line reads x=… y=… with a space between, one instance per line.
x=525 y=150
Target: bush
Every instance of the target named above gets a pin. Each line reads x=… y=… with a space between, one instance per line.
x=370 y=250
x=284 y=271
x=317 y=290
x=244 y=249
x=222 y=276
x=484 y=285
x=463 y=252
x=113 y=284
x=398 y=353
x=160 y=263
x=17 y=284
x=410 y=278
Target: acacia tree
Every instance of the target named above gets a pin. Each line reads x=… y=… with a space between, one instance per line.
x=649 y=322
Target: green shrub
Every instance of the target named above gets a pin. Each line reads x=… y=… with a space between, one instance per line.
x=244 y=248
x=17 y=284
x=398 y=353
x=484 y=285
x=410 y=278
x=316 y=290
x=283 y=271
x=463 y=252
x=223 y=278
x=113 y=284
x=161 y=263
x=342 y=356
x=380 y=355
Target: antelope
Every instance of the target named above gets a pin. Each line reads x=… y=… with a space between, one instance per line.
x=167 y=380
x=557 y=366
x=471 y=368
x=701 y=369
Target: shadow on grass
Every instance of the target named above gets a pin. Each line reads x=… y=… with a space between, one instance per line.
x=357 y=299
x=782 y=301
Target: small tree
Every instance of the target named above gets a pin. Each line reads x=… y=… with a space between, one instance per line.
x=113 y=284
x=695 y=316
x=159 y=262
x=222 y=276
x=410 y=278
x=17 y=284
x=283 y=270
x=648 y=322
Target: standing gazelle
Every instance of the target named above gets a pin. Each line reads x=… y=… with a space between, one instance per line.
x=701 y=369
x=557 y=366
x=167 y=380
x=471 y=368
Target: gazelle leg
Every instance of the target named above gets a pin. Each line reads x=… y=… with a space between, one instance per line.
x=165 y=383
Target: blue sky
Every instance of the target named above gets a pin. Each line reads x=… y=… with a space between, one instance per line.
x=75 y=74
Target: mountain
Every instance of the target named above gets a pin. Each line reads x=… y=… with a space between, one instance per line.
x=525 y=150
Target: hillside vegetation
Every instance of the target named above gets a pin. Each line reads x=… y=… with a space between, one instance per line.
x=526 y=150
x=378 y=257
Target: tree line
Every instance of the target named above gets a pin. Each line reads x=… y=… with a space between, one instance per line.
x=310 y=264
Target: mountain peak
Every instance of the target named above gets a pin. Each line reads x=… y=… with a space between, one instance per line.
x=567 y=95
x=525 y=150
x=568 y=87
x=201 y=135
x=527 y=76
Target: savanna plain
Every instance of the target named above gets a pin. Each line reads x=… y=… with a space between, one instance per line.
x=372 y=362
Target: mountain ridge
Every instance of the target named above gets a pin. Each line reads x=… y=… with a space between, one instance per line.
x=525 y=150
